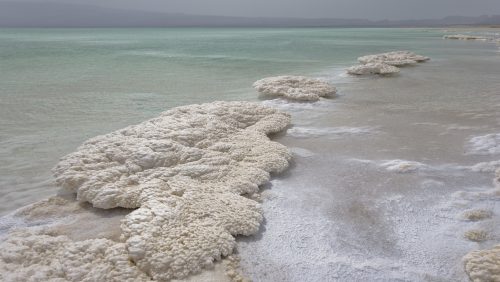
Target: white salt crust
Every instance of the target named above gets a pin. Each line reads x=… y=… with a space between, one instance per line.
x=486 y=166
x=295 y=87
x=191 y=174
x=466 y=37
x=403 y=166
x=28 y=256
x=488 y=144
x=396 y=58
x=385 y=63
x=372 y=68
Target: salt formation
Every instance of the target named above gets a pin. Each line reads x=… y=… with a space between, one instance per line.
x=483 y=265
x=465 y=37
x=372 y=68
x=295 y=87
x=396 y=58
x=29 y=256
x=476 y=235
x=385 y=63
x=477 y=214
x=485 y=144
x=402 y=166
x=486 y=166
x=191 y=173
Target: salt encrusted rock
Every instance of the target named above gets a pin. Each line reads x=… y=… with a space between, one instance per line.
x=396 y=58
x=372 y=68
x=27 y=256
x=186 y=173
x=295 y=87
x=465 y=37
x=483 y=265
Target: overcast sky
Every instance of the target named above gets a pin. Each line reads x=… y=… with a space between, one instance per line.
x=367 y=9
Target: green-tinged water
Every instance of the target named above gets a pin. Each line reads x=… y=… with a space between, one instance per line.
x=381 y=174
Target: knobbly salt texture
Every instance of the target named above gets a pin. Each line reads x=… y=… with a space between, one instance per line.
x=385 y=63
x=295 y=87
x=395 y=58
x=190 y=173
x=373 y=68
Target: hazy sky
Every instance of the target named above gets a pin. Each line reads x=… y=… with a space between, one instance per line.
x=369 y=9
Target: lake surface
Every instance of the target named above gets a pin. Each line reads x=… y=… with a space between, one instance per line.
x=381 y=173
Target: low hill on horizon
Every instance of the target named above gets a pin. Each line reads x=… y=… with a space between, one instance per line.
x=75 y=15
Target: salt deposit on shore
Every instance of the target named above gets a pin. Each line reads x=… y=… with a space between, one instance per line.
x=190 y=174
x=385 y=63
x=465 y=37
x=295 y=87
x=488 y=144
x=402 y=166
x=373 y=68
x=396 y=58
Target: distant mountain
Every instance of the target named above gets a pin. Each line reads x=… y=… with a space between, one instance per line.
x=26 y=14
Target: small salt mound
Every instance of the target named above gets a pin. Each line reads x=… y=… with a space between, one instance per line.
x=485 y=144
x=191 y=174
x=396 y=58
x=486 y=166
x=483 y=265
x=295 y=87
x=477 y=214
x=372 y=68
x=476 y=235
x=402 y=166
x=465 y=37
